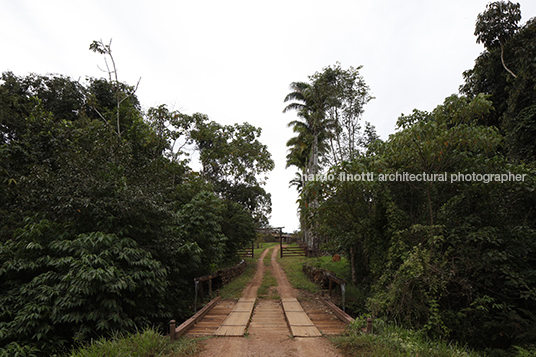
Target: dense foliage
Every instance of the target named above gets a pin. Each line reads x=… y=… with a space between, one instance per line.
x=439 y=220
x=103 y=223
x=328 y=130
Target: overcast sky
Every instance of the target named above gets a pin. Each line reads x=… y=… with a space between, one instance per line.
x=234 y=60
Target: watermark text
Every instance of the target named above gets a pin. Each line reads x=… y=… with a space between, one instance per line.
x=421 y=177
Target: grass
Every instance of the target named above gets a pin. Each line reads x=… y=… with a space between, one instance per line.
x=258 y=251
x=341 y=268
x=268 y=259
x=234 y=289
x=148 y=343
x=293 y=268
x=390 y=340
x=268 y=288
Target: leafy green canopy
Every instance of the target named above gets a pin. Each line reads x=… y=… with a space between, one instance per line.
x=451 y=253
x=102 y=217
x=514 y=50
x=328 y=130
x=498 y=23
x=450 y=257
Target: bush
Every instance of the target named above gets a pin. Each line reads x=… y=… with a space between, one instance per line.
x=56 y=288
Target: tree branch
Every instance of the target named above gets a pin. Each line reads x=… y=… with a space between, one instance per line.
x=502 y=59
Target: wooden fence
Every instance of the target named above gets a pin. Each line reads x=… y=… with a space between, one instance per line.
x=223 y=277
x=247 y=252
x=322 y=277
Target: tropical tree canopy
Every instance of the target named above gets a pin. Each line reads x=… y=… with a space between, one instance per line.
x=102 y=215
x=438 y=221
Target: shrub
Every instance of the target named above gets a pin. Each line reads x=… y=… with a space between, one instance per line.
x=56 y=288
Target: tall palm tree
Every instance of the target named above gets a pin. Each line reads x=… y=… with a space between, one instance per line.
x=304 y=148
x=311 y=125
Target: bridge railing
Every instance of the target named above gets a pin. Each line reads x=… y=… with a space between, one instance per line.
x=224 y=275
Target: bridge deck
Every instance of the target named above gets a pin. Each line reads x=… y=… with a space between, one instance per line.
x=300 y=324
x=308 y=318
x=268 y=317
x=238 y=319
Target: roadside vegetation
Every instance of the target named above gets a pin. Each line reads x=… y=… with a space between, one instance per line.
x=391 y=340
x=105 y=224
x=148 y=343
x=437 y=221
x=388 y=338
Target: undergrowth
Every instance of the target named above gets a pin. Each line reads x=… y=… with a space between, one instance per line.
x=148 y=343
x=389 y=339
x=341 y=268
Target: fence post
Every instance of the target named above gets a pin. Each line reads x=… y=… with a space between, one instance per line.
x=369 y=325
x=201 y=292
x=280 y=245
x=172 y=330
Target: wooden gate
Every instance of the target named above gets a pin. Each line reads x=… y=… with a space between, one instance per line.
x=286 y=251
x=247 y=252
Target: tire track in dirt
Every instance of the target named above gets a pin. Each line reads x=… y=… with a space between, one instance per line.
x=283 y=285
x=251 y=289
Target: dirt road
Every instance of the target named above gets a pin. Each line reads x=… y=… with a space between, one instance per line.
x=268 y=334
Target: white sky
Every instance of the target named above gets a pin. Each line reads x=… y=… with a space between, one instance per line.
x=234 y=60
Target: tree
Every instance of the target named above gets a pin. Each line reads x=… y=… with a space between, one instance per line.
x=439 y=142
x=512 y=98
x=305 y=147
x=444 y=242
x=498 y=24
x=346 y=95
x=106 y=210
x=310 y=127
x=58 y=287
x=461 y=242
x=120 y=93
x=329 y=110
x=235 y=162
x=173 y=130
x=102 y=216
